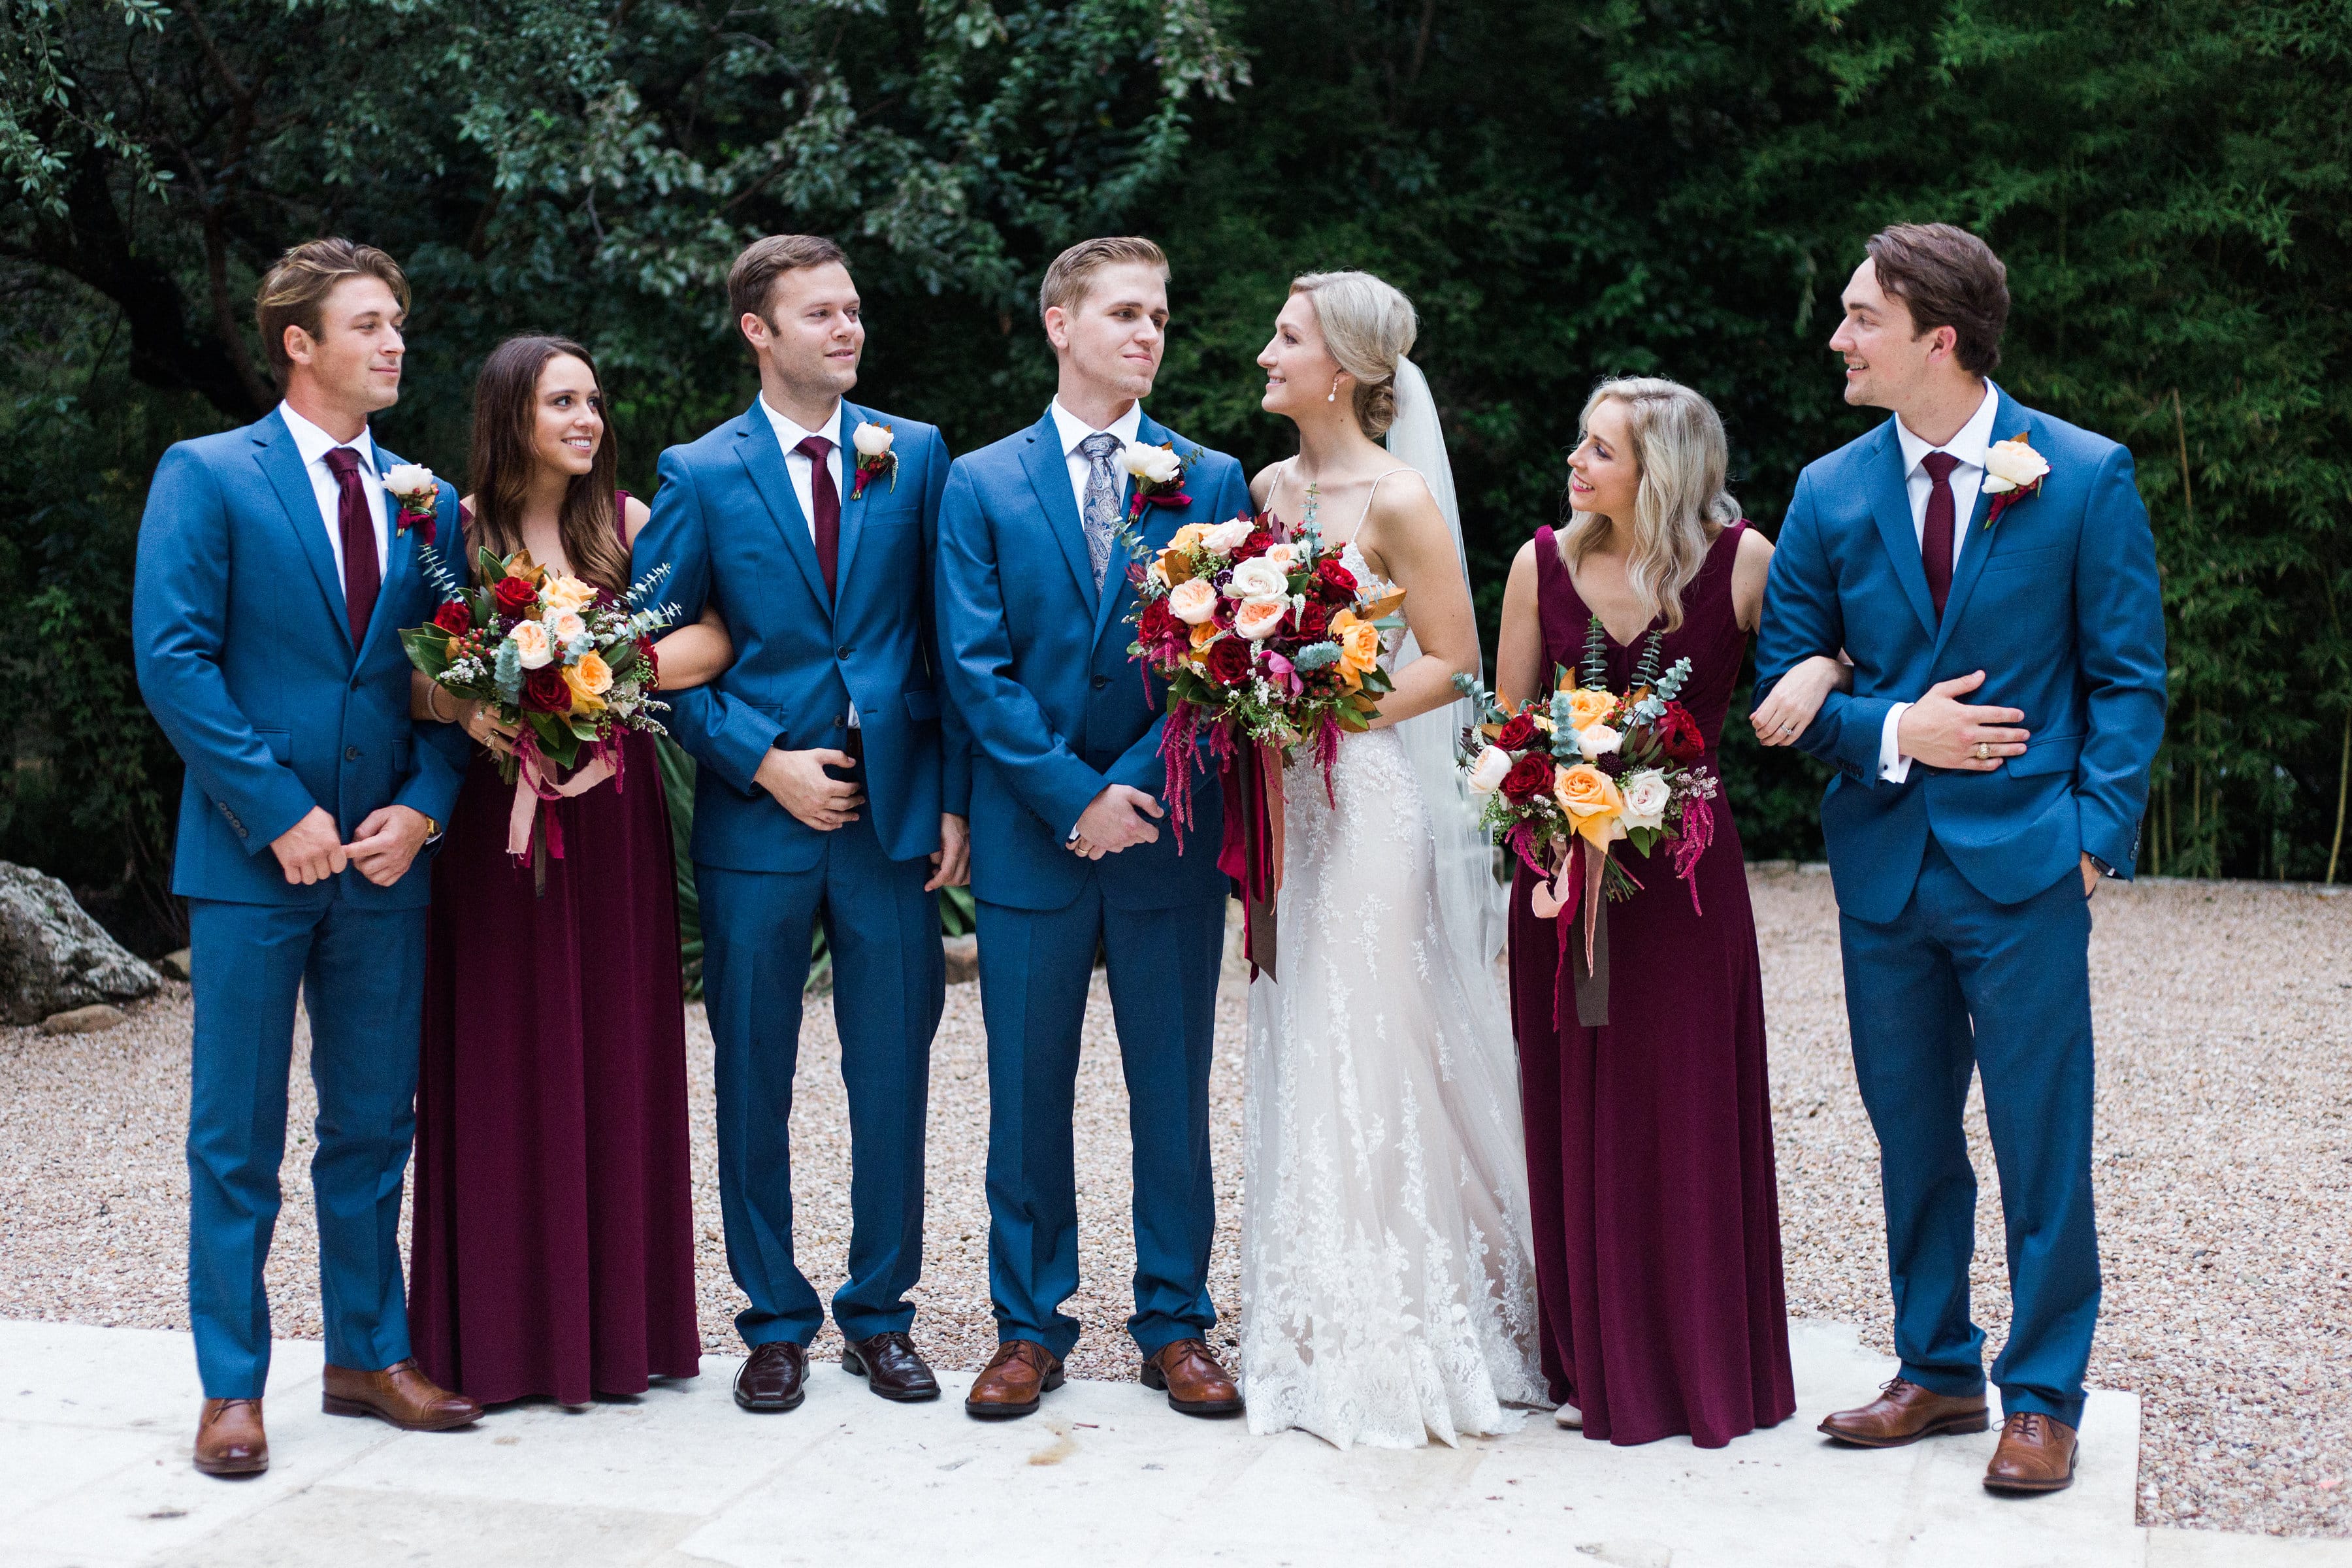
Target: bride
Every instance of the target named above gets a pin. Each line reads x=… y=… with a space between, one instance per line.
x=1387 y=1294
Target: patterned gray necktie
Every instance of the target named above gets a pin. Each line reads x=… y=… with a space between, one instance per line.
x=1100 y=515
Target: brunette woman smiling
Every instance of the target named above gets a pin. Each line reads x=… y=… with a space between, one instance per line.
x=553 y=1250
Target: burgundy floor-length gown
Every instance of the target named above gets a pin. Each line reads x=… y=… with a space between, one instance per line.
x=554 y=1245
x=1651 y=1185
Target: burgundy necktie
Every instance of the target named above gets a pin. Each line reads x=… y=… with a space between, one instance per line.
x=827 y=496
x=1935 y=538
x=362 y=575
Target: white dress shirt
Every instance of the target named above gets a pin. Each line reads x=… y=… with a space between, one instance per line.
x=1074 y=430
x=314 y=443
x=1970 y=445
x=803 y=473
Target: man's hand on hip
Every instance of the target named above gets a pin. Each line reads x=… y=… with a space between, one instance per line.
x=1945 y=732
x=387 y=842
x=311 y=850
x=1118 y=818
x=800 y=785
x=2091 y=871
x=952 y=861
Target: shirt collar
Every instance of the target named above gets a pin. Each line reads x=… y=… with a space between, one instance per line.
x=1074 y=429
x=1974 y=440
x=790 y=435
x=314 y=443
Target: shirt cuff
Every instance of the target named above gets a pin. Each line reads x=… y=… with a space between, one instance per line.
x=1893 y=765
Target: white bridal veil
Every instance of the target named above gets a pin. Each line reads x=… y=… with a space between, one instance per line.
x=1471 y=903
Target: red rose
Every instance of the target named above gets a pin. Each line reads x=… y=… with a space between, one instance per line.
x=515 y=596
x=1314 y=621
x=543 y=691
x=1678 y=734
x=1518 y=732
x=1157 y=624
x=453 y=618
x=1229 y=661
x=1530 y=776
x=1256 y=546
x=1334 y=584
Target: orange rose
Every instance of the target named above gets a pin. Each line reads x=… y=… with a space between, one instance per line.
x=1358 y=640
x=589 y=679
x=1188 y=536
x=1594 y=804
x=1589 y=705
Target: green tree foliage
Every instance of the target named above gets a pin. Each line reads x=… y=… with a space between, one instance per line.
x=1568 y=191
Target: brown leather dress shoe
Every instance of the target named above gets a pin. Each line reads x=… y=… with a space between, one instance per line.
x=1904 y=1413
x=775 y=1380
x=891 y=1367
x=1196 y=1384
x=2036 y=1455
x=1015 y=1379
x=401 y=1394
x=229 y=1439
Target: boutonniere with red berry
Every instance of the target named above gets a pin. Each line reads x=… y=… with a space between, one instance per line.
x=418 y=492
x=1159 y=476
x=875 y=458
x=2013 y=472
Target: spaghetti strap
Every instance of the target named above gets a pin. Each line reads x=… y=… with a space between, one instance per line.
x=1364 y=515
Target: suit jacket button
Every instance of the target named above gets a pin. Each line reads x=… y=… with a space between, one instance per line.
x=1101 y=681
x=351 y=753
x=843 y=651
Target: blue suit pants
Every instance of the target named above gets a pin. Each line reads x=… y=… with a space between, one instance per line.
x=361 y=974
x=1035 y=970
x=889 y=985
x=1956 y=984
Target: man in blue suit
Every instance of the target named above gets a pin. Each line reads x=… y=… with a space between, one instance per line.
x=1069 y=852
x=832 y=789
x=266 y=618
x=1990 y=573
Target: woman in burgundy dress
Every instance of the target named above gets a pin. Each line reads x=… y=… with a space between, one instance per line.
x=1657 y=1229
x=554 y=1245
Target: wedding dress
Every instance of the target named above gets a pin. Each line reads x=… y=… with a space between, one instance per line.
x=1388 y=1291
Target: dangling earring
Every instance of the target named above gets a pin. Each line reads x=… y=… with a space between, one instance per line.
x=1333 y=396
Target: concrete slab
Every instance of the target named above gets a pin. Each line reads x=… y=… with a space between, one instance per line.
x=95 y=1424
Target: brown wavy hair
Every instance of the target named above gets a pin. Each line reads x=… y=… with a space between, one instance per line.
x=506 y=410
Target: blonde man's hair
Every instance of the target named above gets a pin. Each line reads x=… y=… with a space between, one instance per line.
x=1366 y=327
x=1073 y=271
x=294 y=292
x=1681 y=506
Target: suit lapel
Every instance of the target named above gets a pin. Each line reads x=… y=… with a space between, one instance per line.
x=763 y=459
x=399 y=560
x=282 y=463
x=1890 y=504
x=2009 y=418
x=1049 y=476
x=853 y=511
x=1114 y=585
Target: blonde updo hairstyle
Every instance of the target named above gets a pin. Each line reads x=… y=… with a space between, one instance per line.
x=1366 y=327
x=1682 y=505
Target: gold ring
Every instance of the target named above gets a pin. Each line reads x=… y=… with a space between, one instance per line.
x=1982 y=754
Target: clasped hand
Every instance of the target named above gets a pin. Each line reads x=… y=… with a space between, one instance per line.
x=387 y=844
x=1118 y=818
x=798 y=782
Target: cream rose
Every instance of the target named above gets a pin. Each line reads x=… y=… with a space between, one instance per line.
x=1230 y=535
x=1193 y=601
x=1486 y=773
x=1597 y=740
x=411 y=481
x=567 y=594
x=872 y=440
x=563 y=625
x=2012 y=465
x=1281 y=557
x=1156 y=464
x=1646 y=795
x=531 y=641
x=1255 y=579
x=1259 y=618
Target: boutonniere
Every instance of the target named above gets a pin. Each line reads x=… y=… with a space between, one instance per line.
x=1159 y=476
x=2013 y=472
x=417 y=491
x=874 y=456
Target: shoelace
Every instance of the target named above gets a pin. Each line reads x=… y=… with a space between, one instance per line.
x=2029 y=1427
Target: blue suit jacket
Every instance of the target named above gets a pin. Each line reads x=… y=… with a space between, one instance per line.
x=1036 y=658
x=2058 y=603
x=726 y=521
x=244 y=652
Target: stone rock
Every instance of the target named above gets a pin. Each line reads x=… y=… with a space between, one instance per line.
x=176 y=966
x=963 y=958
x=53 y=956
x=87 y=1020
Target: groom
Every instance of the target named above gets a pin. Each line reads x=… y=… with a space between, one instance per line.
x=1071 y=852
x=831 y=794
x=1990 y=572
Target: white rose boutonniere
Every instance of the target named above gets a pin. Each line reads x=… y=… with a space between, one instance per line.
x=2013 y=472
x=873 y=441
x=1157 y=476
x=417 y=491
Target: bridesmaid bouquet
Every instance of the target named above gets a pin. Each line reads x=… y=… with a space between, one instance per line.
x=560 y=661
x=1268 y=642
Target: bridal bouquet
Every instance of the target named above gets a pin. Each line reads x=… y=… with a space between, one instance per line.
x=561 y=663
x=1267 y=643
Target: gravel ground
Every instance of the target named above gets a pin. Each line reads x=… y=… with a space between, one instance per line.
x=2224 y=1182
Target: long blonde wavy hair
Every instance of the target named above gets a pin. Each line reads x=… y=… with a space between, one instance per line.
x=1681 y=506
